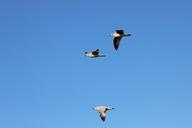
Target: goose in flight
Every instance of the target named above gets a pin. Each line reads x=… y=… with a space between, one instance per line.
x=102 y=111
x=94 y=54
x=117 y=37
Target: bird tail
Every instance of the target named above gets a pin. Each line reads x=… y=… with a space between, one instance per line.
x=102 y=55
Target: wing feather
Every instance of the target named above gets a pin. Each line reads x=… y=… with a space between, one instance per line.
x=116 y=42
x=95 y=53
x=102 y=115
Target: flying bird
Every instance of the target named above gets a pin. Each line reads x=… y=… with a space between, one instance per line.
x=102 y=111
x=117 y=37
x=94 y=54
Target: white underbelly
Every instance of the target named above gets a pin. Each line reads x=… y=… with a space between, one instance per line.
x=89 y=55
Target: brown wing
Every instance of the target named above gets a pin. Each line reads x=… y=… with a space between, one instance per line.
x=116 y=42
x=95 y=53
x=102 y=116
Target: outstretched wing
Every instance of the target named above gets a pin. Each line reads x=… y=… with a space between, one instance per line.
x=116 y=42
x=102 y=115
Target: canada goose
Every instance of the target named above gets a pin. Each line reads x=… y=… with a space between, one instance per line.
x=102 y=111
x=117 y=37
x=94 y=54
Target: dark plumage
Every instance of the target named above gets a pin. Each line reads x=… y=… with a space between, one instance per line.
x=96 y=52
x=117 y=38
x=116 y=42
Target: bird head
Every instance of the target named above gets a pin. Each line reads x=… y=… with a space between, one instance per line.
x=86 y=53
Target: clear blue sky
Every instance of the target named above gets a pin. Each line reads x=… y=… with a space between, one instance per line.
x=47 y=82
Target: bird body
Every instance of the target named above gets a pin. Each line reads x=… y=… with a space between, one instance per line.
x=117 y=37
x=116 y=34
x=102 y=111
x=94 y=54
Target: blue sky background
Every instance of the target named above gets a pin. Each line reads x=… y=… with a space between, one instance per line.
x=47 y=82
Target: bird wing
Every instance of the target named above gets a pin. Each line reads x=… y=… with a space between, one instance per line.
x=116 y=41
x=102 y=116
x=95 y=53
x=120 y=32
